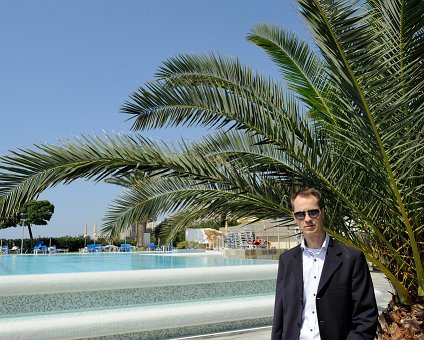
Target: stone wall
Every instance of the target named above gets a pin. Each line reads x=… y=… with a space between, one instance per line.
x=270 y=254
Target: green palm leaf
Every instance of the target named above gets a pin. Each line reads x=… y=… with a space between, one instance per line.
x=347 y=120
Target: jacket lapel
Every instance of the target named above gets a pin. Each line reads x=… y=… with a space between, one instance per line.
x=298 y=265
x=298 y=270
x=333 y=260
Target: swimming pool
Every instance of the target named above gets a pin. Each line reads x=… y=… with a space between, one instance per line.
x=74 y=263
x=137 y=304
x=136 y=295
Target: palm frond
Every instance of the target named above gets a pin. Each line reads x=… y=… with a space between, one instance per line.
x=349 y=122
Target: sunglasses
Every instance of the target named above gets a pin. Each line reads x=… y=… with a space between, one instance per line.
x=300 y=215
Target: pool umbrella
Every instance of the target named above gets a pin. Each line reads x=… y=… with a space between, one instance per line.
x=85 y=236
x=95 y=232
x=212 y=235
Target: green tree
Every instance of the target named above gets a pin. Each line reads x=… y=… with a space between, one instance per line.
x=32 y=213
x=9 y=222
x=36 y=213
x=347 y=119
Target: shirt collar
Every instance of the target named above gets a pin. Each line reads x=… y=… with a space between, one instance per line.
x=323 y=246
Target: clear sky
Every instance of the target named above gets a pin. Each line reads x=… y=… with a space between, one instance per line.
x=66 y=67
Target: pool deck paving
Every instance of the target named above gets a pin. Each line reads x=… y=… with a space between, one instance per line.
x=382 y=293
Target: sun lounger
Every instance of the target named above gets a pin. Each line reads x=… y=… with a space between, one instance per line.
x=15 y=249
x=39 y=247
x=94 y=248
x=111 y=247
x=151 y=246
x=124 y=247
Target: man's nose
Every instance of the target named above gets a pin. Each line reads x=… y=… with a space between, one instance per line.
x=307 y=217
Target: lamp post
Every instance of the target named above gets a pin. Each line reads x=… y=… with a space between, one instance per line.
x=23 y=230
x=267 y=236
x=278 y=236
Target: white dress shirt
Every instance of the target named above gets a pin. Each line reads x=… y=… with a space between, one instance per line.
x=313 y=261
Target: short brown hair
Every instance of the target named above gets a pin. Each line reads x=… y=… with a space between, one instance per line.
x=309 y=192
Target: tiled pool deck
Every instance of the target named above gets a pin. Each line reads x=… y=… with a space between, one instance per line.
x=154 y=304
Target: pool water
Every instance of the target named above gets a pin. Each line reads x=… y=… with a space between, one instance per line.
x=73 y=263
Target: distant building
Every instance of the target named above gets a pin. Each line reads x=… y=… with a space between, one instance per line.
x=280 y=235
x=131 y=233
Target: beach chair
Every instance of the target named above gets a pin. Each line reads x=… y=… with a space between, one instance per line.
x=5 y=249
x=124 y=247
x=110 y=247
x=39 y=247
x=151 y=246
x=94 y=248
x=15 y=250
x=52 y=250
x=91 y=248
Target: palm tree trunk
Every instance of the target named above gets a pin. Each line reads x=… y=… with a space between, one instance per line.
x=30 y=236
x=401 y=322
x=224 y=223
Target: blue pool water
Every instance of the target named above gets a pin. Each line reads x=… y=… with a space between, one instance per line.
x=73 y=263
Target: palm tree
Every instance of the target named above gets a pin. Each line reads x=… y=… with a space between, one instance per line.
x=347 y=120
x=131 y=180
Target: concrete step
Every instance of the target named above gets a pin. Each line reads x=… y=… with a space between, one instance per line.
x=162 y=321
x=49 y=293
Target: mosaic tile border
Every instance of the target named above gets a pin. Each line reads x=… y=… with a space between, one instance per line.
x=162 y=334
x=73 y=301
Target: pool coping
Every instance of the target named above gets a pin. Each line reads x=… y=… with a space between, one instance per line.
x=34 y=284
x=158 y=322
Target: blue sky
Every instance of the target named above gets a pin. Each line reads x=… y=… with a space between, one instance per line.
x=67 y=67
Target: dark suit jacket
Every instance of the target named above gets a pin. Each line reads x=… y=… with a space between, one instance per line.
x=346 y=306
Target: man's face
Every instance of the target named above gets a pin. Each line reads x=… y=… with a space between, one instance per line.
x=310 y=226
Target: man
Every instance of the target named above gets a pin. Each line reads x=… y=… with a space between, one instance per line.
x=324 y=288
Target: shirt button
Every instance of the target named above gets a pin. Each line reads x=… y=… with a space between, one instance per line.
x=313 y=312
x=311 y=329
x=315 y=277
x=315 y=260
